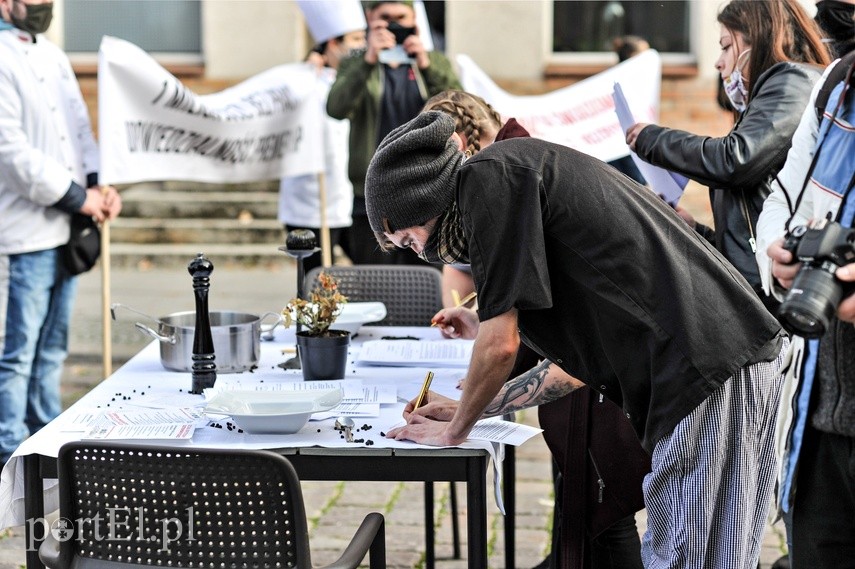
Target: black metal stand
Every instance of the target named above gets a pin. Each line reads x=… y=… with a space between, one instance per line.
x=204 y=361
x=299 y=243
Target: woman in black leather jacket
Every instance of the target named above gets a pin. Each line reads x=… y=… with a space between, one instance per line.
x=772 y=55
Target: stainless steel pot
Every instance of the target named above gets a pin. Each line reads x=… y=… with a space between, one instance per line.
x=236 y=335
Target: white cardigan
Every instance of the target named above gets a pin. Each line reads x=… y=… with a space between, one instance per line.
x=46 y=141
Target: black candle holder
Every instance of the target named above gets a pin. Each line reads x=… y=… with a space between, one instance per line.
x=299 y=243
x=204 y=359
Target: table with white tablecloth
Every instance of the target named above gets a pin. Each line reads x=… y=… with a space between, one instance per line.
x=317 y=451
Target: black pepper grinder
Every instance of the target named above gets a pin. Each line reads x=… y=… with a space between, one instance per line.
x=299 y=243
x=204 y=363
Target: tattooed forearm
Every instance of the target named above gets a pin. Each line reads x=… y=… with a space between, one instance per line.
x=542 y=384
x=518 y=391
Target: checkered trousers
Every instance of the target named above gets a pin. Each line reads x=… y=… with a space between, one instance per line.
x=712 y=478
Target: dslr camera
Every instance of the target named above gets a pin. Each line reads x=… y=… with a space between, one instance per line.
x=400 y=32
x=816 y=292
x=397 y=54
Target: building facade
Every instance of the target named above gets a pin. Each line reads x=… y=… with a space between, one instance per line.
x=527 y=46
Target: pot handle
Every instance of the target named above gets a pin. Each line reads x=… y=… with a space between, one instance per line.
x=116 y=305
x=146 y=330
x=267 y=331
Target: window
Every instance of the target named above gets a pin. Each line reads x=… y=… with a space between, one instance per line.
x=590 y=25
x=161 y=27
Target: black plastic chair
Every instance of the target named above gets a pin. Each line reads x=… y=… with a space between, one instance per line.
x=412 y=295
x=137 y=505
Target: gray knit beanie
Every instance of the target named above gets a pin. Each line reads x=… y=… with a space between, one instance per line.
x=412 y=176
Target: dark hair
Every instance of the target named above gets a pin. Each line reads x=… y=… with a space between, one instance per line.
x=777 y=30
x=371 y=4
x=627 y=46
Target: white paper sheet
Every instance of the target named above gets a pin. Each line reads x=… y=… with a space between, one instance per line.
x=352 y=388
x=374 y=393
x=417 y=353
x=171 y=431
x=667 y=184
x=349 y=410
x=84 y=420
x=149 y=424
x=500 y=431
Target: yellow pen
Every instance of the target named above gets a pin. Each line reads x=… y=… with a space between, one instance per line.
x=424 y=390
x=460 y=301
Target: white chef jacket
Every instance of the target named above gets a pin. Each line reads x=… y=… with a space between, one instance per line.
x=299 y=196
x=46 y=142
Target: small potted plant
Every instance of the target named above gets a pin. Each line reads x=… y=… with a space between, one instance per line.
x=323 y=351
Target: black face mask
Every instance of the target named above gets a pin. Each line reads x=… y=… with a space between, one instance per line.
x=835 y=19
x=37 y=19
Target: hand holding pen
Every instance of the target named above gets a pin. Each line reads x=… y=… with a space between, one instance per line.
x=430 y=405
x=457 y=302
x=424 y=390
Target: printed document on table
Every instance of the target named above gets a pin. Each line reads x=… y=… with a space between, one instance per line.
x=349 y=410
x=417 y=353
x=501 y=431
x=85 y=420
x=352 y=388
x=150 y=424
x=171 y=431
x=667 y=184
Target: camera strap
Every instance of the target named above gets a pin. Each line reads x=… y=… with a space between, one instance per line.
x=846 y=84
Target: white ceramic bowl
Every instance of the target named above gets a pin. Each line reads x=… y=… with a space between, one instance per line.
x=355 y=314
x=272 y=412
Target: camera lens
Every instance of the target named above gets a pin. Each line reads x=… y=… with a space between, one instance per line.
x=811 y=303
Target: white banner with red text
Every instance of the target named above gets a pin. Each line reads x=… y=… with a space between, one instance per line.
x=581 y=116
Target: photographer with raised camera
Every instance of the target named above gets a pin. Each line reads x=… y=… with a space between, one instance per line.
x=806 y=254
x=379 y=89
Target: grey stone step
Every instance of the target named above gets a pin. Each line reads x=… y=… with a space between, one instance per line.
x=227 y=231
x=262 y=186
x=145 y=256
x=151 y=203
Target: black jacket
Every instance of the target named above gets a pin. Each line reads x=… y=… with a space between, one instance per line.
x=739 y=167
x=608 y=282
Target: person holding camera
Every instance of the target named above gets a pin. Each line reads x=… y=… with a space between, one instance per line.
x=806 y=254
x=338 y=27
x=600 y=276
x=771 y=56
x=49 y=165
x=379 y=89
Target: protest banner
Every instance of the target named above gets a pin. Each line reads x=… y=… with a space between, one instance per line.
x=581 y=116
x=153 y=128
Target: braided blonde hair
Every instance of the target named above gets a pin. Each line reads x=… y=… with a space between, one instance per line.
x=473 y=116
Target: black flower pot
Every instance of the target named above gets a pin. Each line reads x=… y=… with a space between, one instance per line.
x=323 y=357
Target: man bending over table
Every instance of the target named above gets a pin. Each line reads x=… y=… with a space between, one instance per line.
x=606 y=282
